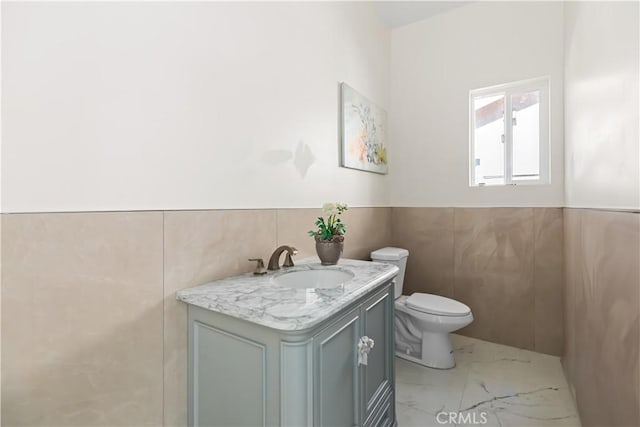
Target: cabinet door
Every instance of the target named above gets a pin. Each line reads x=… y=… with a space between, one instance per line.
x=378 y=380
x=337 y=399
x=227 y=378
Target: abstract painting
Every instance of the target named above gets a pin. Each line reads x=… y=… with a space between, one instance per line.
x=364 y=133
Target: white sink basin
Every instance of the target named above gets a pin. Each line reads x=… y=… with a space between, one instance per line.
x=305 y=279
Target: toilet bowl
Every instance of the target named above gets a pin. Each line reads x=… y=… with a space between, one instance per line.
x=431 y=328
x=423 y=321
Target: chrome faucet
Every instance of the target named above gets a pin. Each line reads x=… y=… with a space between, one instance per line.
x=274 y=261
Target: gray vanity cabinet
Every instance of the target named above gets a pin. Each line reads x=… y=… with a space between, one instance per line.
x=244 y=374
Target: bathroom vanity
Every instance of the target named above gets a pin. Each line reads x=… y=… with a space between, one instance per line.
x=289 y=348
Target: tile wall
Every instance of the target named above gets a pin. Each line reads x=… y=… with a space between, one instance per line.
x=505 y=263
x=92 y=334
x=602 y=315
x=82 y=319
x=91 y=331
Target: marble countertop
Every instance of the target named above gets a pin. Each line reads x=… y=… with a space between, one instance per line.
x=257 y=299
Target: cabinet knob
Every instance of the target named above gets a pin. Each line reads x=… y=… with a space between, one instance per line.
x=365 y=344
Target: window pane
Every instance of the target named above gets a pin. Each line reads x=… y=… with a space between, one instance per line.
x=525 y=112
x=489 y=140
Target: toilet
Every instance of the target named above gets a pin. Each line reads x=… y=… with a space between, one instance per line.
x=423 y=321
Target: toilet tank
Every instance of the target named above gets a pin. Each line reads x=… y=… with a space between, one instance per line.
x=395 y=256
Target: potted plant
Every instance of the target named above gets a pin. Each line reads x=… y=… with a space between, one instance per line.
x=330 y=233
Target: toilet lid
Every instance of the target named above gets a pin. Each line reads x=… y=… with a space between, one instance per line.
x=434 y=304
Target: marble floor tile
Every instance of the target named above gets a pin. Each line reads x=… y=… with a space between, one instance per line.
x=491 y=385
x=414 y=417
x=468 y=351
x=428 y=398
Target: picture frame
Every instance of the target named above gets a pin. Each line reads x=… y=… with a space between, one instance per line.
x=363 y=135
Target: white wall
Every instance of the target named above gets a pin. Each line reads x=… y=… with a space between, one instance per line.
x=127 y=106
x=434 y=64
x=601 y=111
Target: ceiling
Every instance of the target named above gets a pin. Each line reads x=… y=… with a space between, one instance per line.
x=399 y=13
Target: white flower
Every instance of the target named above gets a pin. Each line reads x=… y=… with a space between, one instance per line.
x=329 y=208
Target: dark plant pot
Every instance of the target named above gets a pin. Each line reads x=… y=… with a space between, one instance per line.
x=329 y=251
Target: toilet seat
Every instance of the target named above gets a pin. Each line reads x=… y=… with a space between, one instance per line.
x=435 y=304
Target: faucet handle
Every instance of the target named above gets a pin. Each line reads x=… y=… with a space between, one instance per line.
x=288 y=261
x=260 y=267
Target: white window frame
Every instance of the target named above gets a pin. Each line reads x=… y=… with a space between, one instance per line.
x=540 y=84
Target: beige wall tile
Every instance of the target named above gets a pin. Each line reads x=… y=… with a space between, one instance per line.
x=293 y=225
x=572 y=220
x=605 y=282
x=428 y=235
x=0 y=320
x=495 y=249
x=548 y=280
x=82 y=319
x=493 y=273
x=368 y=229
x=201 y=246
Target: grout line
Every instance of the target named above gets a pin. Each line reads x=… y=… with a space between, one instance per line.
x=163 y=324
x=622 y=210
x=533 y=279
x=277 y=211
x=453 y=252
x=94 y=211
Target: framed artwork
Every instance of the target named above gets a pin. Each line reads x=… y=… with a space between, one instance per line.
x=363 y=133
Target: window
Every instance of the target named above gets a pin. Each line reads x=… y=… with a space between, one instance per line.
x=509 y=134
